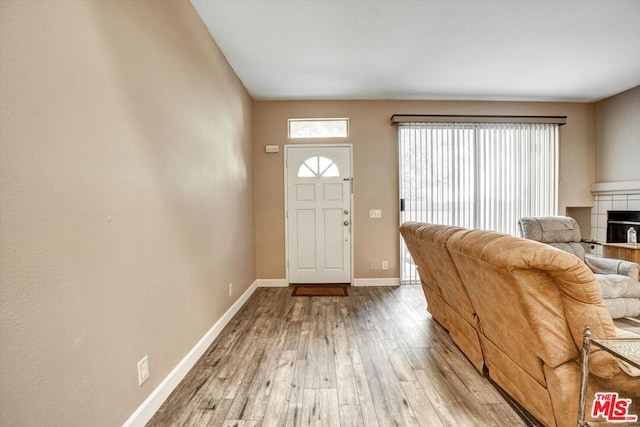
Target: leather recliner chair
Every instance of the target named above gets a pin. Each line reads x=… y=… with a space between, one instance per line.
x=618 y=279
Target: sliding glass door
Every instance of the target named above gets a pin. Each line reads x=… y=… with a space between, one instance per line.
x=475 y=175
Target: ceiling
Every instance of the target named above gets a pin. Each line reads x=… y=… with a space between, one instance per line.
x=522 y=50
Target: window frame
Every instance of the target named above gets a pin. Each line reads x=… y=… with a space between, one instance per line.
x=319 y=172
x=318 y=119
x=444 y=154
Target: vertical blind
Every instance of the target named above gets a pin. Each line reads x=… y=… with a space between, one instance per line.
x=476 y=175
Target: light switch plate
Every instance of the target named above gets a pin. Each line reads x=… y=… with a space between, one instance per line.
x=375 y=213
x=143 y=370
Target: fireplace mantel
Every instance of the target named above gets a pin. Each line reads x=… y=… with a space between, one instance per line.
x=619 y=187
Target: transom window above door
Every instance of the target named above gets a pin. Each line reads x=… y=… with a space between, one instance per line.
x=318 y=128
x=318 y=166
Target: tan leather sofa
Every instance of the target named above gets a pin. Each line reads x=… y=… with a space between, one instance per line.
x=529 y=304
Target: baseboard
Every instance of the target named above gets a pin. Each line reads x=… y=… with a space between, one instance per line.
x=272 y=283
x=391 y=281
x=150 y=406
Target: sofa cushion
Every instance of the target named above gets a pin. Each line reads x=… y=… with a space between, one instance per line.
x=441 y=269
x=623 y=307
x=541 y=292
x=618 y=286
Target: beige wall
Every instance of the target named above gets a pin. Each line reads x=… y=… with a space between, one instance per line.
x=376 y=169
x=126 y=202
x=618 y=137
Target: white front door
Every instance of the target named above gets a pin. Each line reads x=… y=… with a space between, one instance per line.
x=318 y=182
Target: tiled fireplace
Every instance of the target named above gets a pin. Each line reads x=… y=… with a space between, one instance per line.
x=609 y=200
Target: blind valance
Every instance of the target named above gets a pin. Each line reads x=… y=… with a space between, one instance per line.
x=444 y=118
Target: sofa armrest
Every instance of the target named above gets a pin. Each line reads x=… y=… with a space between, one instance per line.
x=612 y=266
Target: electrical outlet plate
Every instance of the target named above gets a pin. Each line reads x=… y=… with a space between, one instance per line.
x=385 y=265
x=230 y=289
x=143 y=370
x=375 y=213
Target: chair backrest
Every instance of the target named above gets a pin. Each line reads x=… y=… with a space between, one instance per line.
x=411 y=232
x=533 y=302
x=562 y=232
x=427 y=244
x=429 y=251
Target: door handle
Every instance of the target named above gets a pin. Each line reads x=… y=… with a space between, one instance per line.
x=346 y=223
x=346 y=212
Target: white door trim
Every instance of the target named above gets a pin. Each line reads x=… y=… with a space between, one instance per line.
x=286 y=203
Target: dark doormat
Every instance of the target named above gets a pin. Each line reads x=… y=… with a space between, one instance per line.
x=320 y=291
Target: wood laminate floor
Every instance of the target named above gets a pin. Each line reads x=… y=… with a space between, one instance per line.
x=374 y=358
